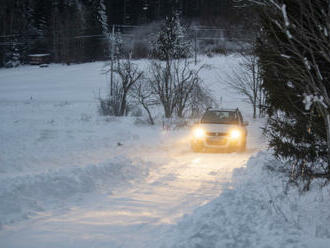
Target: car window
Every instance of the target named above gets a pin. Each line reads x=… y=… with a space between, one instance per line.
x=220 y=117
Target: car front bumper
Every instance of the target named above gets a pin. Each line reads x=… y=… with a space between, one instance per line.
x=223 y=142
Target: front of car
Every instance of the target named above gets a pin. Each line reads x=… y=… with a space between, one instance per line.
x=219 y=129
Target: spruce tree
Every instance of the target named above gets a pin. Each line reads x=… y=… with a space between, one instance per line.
x=296 y=127
x=172 y=41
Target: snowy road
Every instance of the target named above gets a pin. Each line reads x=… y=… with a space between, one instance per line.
x=178 y=182
x=65 y=182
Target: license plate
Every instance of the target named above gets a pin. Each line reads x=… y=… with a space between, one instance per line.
x=216 y=141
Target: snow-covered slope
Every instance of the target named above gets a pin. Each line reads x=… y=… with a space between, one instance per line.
x=71 y=178
x=258 y=209
x=24 y=196
x=50 y=128
x=54 y=146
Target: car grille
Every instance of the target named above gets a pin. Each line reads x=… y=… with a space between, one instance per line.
x=216 y=142
x=214 y=134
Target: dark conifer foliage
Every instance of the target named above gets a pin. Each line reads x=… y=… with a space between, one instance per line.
x=291 y=37
x=74 y=30
x=172 y=41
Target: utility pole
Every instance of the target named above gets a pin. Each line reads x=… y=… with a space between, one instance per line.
x=195 y=46
x=112 y=38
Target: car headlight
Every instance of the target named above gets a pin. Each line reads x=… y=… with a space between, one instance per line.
x=235 y=134
x=199 y=133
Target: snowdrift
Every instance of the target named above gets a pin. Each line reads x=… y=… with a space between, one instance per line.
x=27 y=195
x=258 y=209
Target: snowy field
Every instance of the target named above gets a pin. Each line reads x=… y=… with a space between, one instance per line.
x=72 y=178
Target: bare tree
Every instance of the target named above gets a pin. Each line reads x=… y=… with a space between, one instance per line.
x=199 y=101
x=247 y=81
x=143 y=94
x=173 y=82
x=128 y=74
x=163 y=85
x=186 y=80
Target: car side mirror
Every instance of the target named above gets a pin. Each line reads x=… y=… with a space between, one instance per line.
x=245 y=123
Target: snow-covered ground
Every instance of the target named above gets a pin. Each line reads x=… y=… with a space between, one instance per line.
x=71 y=178
x=258 y=209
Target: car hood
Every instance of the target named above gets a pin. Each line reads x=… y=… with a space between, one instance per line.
x=217 y=128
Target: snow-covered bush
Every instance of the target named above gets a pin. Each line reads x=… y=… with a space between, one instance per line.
x=110 y=105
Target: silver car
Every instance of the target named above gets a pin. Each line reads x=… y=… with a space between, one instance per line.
x=220 y=129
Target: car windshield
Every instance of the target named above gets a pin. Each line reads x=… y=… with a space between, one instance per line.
x=220 y=117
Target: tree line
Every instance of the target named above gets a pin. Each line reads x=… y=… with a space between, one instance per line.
x=45 y=26
x=74 y=30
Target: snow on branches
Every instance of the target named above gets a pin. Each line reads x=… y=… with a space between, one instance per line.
x=172 y=41
x=309 y=100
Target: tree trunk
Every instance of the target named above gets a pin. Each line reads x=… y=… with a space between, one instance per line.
x=254 y=111
x=180 y=112
x=327 y=123
x=149 y=114
x=123 y=105
x=168 y=113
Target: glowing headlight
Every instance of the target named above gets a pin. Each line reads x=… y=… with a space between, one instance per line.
x=235 y=134
x=199 y=133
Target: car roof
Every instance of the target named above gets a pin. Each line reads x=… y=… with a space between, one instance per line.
x=227 y=110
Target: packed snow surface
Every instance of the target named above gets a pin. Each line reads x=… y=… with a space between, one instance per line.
x=72 y=178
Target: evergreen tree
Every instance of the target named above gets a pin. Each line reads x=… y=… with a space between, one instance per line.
x=15 y=27
x=12 y=56
x=95 y=24
x=172 y=41
x=296 y=81
x=41 y=10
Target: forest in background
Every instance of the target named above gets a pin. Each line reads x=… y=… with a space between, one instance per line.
x=75 y=31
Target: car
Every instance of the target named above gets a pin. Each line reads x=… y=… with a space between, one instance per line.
x=221 y=129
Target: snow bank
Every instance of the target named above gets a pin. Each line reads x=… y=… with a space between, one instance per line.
x=27 y=195
x=258 y=209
